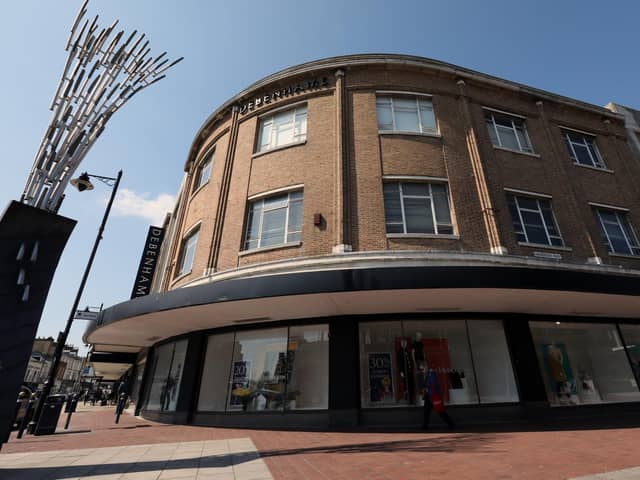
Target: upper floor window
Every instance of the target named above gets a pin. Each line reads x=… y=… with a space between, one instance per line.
x=533 y=220
x=187 y=252
x=417 y=208
x=204 y=171
x=507 y=131
x=274 y=220
x=405 y=114
x=616 y=231
x=283 y=128
x=582 y=149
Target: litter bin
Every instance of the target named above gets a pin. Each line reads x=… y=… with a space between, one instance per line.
x=50 y=415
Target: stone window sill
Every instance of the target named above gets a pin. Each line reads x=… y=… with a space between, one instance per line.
x=597 y=169
x=269 y=248
x=544 y=245
x=528 y=154
x=277 y=149
x=424 y=235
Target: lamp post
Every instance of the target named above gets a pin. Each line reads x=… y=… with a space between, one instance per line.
x=82 y=183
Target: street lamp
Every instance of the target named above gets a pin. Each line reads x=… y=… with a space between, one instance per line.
x=82 y=183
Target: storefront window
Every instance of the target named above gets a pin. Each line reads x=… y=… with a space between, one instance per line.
x=137 y=379
x=308 y=368
x=492 y=362
x=382 y=384
x=631 y=335
x=258 y=371
x=583 y=363
x=442 y=345
x=395 y=356
x=215 y=374
x=168 y=362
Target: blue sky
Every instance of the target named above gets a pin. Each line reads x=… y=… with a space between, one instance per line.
x=585 y=50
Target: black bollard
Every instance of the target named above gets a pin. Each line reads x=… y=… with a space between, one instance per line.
x=122 y=400
x=70 y=408
x=27 y=416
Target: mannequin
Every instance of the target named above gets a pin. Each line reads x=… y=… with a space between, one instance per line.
x=558 y=374
x=405 y=364
x=419 y=361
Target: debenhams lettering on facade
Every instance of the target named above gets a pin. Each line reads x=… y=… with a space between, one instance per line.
x=291 y=90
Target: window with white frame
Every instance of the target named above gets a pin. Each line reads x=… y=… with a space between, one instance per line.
x=283 y=128
x=405 y=114
x=507 y=131
x=204 y=171
x=533 y=220
x=187 y=252
x=616 y=231
x=275 y=220
x=417 y=207
x=582 y=149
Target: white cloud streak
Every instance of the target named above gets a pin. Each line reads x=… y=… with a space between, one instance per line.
x=131 y=204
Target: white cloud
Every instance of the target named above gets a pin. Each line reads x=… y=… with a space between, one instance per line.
x=131 y=204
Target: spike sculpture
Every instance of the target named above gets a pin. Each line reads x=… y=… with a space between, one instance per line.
x=101 y=74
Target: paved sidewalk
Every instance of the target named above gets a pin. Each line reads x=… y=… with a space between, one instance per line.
x=234 y=459
x=626 y=474
x=367 y=455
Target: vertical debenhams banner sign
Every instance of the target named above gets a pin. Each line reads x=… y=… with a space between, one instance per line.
x=148 y=262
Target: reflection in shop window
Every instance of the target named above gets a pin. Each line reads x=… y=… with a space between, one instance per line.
x=583 y=363
x=258 y=371
x=442 y=346
x=492 y=362
x=215 y=374
x=631 y=336
x=168 y=363
x=137 y=380
x=396 y=356
x=308 y=368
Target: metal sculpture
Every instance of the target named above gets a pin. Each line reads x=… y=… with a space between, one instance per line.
x=101 y=74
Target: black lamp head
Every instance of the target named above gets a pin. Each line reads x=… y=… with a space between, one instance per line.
x=82 y=183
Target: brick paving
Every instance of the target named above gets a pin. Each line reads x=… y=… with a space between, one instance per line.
x=551 y=454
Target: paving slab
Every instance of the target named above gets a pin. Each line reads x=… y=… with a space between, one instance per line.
x=626 y=474
x=173 y=461
x=229 y=454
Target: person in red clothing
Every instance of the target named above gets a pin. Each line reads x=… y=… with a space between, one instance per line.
x=433 y=400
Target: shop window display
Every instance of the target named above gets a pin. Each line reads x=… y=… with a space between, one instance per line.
x=492 y=362
x=258 y=371
x=308 y=368
x=397 y=356
x=137 y=380
x=215 y=374
x=271 y=369
x=583 y=363
x=168 y=362
x=378 y=365
x=443 y=347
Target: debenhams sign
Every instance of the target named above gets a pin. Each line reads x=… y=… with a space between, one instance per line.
x=148 y=262
x=290 y=91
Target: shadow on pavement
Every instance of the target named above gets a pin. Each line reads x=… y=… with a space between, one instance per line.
x=452 y=443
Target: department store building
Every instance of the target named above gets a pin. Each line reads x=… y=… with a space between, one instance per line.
x=347 y=225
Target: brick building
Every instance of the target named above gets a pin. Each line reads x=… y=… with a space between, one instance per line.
x=349 y=227
x=68 y=374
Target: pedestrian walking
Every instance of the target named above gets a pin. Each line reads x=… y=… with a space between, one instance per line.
x=433 y=400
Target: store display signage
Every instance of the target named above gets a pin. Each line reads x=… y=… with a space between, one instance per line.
x=380 y=383
x=291 y=90
x=148 y=262
x=240 y=388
